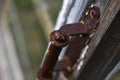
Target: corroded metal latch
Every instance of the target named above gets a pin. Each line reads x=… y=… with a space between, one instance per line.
x=60 y=38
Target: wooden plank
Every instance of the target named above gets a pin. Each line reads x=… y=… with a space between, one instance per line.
x=106 y=55
x=75 y=14
x=108 y=10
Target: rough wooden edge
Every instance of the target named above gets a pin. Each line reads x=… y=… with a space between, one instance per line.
x=108 y=12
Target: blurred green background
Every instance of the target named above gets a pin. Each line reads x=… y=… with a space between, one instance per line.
x=30 y=22
x=32 y=25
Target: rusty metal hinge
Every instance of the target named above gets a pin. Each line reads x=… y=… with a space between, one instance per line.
x=60 y=38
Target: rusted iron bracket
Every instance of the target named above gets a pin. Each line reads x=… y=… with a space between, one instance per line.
x=60 y=38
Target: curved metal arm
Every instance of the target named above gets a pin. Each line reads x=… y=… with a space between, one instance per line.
x=60 y=38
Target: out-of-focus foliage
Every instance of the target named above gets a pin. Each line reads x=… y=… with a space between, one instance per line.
x=32 y=30
x=53 y=8
x=24 y=4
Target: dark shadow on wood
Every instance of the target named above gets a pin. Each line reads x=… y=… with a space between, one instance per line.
x=106 y=55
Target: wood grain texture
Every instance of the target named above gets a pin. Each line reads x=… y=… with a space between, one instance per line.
x=106 y=55
x=108 y=10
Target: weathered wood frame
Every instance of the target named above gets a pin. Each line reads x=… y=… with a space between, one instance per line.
x=108 y=10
